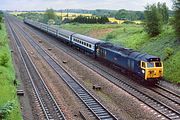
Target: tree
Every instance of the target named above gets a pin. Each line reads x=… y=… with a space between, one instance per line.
x=49 y=14
x=91 y=20
x=152 y=20
x=163 y=11
x=0 y=18
x=122 y=14
x=177 y=18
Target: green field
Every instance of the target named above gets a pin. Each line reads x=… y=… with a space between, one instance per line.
x=133 y=36
x=7 y=75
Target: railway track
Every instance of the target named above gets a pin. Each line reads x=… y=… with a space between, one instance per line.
x=160 y=107
x=99 y=111
x=174 y=97
x=44 y=97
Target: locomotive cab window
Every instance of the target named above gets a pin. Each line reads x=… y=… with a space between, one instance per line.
x=150 y=64
x=143 y=64
x=158 y=64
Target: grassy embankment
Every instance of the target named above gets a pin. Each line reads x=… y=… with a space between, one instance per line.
x=133 y=36
x=7 y=75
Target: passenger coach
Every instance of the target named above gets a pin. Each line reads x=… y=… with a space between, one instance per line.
x=85 y=43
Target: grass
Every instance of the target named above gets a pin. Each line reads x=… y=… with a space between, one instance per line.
x=7 y=75
x=133 y=36
x=87 y=28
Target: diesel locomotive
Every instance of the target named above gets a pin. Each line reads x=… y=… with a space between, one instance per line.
x=145 y=67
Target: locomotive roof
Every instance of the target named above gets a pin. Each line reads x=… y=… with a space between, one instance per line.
x=118 y=49
x=130 y=53
x=144 y=57
x=87 y=39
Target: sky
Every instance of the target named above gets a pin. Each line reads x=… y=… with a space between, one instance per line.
x=78 y=4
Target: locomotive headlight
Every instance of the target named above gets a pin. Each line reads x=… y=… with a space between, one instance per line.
x=143 y=71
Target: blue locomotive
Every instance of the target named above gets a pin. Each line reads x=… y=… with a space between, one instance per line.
x=146 y=67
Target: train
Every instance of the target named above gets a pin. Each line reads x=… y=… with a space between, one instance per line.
x=144 y=67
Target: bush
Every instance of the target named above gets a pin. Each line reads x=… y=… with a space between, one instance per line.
x=168 y=52
x=4 y=59
x=5 y=110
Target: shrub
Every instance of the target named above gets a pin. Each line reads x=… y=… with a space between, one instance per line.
x=168 y=52
x=6 y=110
x=4 y=59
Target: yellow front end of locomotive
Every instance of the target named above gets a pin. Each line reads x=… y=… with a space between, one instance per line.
x=154 y=73
x=153 y=70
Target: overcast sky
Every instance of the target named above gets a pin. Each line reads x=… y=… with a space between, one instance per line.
x=78 y=4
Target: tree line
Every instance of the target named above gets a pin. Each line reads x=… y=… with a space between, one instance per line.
x=50 y=17
x=91 y=20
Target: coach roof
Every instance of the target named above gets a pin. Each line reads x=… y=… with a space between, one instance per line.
x=63 y=31
x=86 y=38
